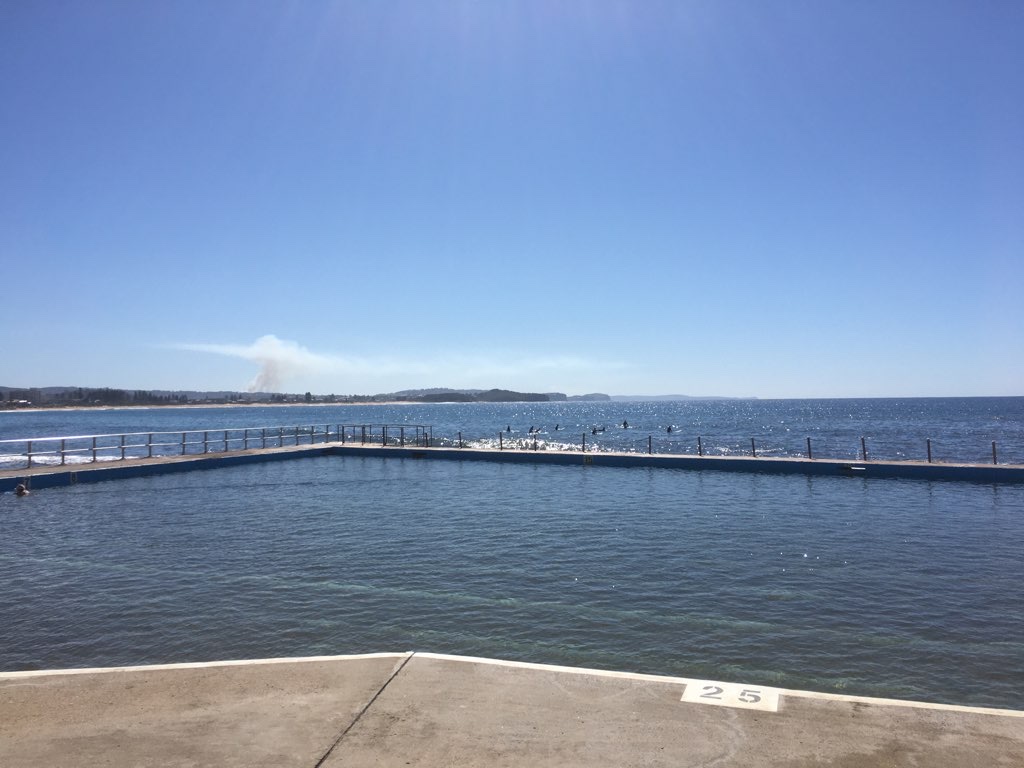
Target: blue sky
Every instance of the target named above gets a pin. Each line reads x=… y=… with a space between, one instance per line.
x=786 y=199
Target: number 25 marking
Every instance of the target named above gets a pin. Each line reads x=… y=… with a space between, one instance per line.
x=747 y=695
x=731 y=695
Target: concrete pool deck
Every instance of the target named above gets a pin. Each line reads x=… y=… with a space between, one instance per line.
x=48 y=476
x=439 y=711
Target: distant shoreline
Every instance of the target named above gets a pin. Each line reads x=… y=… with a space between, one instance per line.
x=182 y=406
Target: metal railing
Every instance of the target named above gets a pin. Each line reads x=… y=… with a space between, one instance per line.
x=757 y=446
x=89 y=449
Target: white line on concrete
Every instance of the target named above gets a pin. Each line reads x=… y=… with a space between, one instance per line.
x=692 y=681
x=200 y=665
x=684 y=681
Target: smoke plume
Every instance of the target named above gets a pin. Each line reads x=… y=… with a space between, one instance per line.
x=280 y=361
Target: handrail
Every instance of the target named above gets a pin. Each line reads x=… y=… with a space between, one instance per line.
x=190 y=431
x=77 y=449
x=194 y=431
x=187 y=442
x=676 y=443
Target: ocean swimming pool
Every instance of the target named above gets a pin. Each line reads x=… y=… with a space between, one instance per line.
x=892 y=588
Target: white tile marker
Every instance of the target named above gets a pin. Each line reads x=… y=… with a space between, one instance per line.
x=720 y=694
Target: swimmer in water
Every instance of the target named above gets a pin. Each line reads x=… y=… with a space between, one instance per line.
x=625 y=424
x=21 y=490
x=669 y=430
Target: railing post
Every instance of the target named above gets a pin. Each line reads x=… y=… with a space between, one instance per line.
x=149 y=447
x=753 y=448
x=649 y=444
x=263 y=437
x=460 y=440
x=30 y=454
x=501 y=444
x=809 y=455
x=584 y=442
x=245 y=440
x=401 y=438
x=363 y=426
x=280 y=437
x=535 y=442
x=122 y=447
x=206 y=442
x=182 y=446
x=93 y=451
x=225 y=441
x=342 y=428
x=863 y=450
x=928 y=442
x=700 y=447
x=296 y=435
x=994 y=452
x=62 y=451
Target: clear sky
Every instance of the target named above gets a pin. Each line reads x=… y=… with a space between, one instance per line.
x=802 y=198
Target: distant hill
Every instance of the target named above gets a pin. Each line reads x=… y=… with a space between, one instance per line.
x=649 y=398
x=431 y=391
x=477 y=396
x=55 y=397
x=20 y=397
x=447 y=395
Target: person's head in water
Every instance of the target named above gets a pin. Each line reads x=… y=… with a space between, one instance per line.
x=21 y=490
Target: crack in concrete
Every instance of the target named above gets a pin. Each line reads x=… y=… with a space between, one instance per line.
x=363 y=711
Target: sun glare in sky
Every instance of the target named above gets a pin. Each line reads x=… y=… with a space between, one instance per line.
x=731 y=198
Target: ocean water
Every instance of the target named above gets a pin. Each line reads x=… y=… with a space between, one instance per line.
x=960 y=429
x=892 y=588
